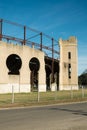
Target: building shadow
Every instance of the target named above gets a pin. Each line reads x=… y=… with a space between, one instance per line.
x=76 y=112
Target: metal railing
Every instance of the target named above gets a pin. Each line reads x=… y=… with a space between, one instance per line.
x=14 y=32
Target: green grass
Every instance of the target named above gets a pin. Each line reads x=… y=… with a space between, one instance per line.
x=28 y=99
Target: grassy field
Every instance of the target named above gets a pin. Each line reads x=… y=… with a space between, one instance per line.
x=35 y=98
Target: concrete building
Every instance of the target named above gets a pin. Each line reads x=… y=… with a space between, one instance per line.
x=26 y=69
x=15 y=70
x=68 y=78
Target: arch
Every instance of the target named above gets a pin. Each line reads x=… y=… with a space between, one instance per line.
x=14 y=64
x=48 y=72
x=34 y=66
x=51 y=75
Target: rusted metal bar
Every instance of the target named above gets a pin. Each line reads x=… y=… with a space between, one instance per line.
x=52 y=60
x=1 y=29
x=24 y=42
x=12 y=23
x=29 y=42
x=41 y=41
x=12 y=38
x=50 y=49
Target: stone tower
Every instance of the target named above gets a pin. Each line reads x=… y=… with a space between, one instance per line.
x=68 y=64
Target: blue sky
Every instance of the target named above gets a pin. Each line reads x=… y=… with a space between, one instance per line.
x=57 y=18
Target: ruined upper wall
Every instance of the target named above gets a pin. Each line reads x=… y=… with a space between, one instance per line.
x=71 y=40
x=68 y=64
x=26 y=54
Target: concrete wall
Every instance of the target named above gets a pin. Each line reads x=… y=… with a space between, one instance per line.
x=70 y=45
x=20 y=82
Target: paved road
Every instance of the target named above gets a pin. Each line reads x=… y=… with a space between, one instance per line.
x=57 y=117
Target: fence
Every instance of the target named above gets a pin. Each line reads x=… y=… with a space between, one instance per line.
x=42 y=97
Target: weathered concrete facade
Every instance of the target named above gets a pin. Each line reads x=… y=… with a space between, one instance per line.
x=20 y=82
x=65 y=69
x=68 y=78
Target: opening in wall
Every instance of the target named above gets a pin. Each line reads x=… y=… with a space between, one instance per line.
x=34 y=66
x=69 y=55
x=69 y=71
x=14 y=64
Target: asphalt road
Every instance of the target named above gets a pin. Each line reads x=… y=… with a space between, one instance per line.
x=57 y=117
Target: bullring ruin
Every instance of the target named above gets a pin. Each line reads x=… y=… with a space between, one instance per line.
x=30 y=62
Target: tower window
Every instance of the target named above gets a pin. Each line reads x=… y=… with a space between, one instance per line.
x=69 y=71
x=69 y=55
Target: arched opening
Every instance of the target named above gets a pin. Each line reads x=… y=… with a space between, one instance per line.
x=34 y=66
x=14 y=64
x=51 y=74
x=48 y=76
x=56 y=74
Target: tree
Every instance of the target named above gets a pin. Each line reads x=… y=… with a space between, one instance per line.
x=82 y=79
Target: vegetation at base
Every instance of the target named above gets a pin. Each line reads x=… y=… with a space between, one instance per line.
x=82 y=79
x=44 y=98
